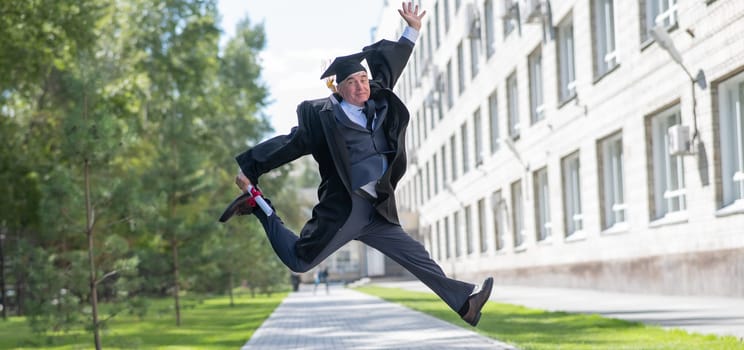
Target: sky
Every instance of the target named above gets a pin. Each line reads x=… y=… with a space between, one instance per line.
x=300 y=36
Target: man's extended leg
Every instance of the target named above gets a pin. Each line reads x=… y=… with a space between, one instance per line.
x=392 y=241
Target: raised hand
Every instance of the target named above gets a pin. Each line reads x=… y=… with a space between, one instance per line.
x=411 y=15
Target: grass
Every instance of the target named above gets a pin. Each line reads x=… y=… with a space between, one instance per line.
x=209 y=324
x=532 y=329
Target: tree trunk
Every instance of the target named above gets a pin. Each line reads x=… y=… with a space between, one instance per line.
x=175 y=282
x=230 y=288
x=2 y=274
x=19 y=294
x=89 y=232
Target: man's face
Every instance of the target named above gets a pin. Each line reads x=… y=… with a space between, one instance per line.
x=355 y=88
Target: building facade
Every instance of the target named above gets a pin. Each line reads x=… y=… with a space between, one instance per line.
x=579 y=143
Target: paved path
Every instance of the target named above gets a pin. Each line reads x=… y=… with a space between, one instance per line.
x=714 y=315
x=347 y=319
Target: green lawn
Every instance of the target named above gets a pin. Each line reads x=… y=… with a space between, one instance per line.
x=208 y=324
x=537 y=329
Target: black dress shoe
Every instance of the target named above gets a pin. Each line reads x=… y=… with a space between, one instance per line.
x=239 y=206
x=476 y=302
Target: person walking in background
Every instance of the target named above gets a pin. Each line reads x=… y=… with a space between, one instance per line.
x=357 y=137
x=321 y=276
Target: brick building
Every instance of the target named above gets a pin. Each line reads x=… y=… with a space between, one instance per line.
x=560 y=143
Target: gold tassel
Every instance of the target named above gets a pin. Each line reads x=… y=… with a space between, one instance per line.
x=329 y=80
x=330 y=85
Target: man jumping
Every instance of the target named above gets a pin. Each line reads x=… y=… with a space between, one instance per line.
x=357 y=137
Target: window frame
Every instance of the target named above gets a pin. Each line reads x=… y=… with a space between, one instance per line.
x=730 y=102
x=566 y=56
x=605 y=46
x=573 y=216
x=512 y=97
x=537 y=96
x=543 y=223
x=668 y=185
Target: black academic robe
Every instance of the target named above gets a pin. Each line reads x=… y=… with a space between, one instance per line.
x=318 y=133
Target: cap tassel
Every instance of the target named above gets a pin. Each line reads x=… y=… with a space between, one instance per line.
x=330 y=85
x=330 y=80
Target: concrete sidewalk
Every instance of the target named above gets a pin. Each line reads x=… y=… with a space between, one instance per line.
x=346 y=319
x=709 y=315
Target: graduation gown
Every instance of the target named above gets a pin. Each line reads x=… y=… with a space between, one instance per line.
x=317 y=133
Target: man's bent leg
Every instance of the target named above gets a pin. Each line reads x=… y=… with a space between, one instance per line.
x=283 y=240
x=392 y=241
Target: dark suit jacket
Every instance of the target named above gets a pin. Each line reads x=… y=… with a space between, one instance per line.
x=317 y=133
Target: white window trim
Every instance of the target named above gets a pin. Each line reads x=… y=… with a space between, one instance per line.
x=577 y=236
x=617 y=228
x=663 y=169
x=671 y=218
x=616 y=182
x=670 y=14
x=566 y=61
x=572 y=192
x=731 y=131
x=542 y=203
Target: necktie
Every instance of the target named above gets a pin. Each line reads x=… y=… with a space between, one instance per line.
x=369 y=111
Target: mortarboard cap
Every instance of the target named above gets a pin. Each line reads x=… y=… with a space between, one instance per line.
x=344 y=66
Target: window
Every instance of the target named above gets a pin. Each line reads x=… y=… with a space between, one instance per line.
x=453 y=155
x=477 y=128
x=419 y=131
x=605 y=56
x=420 y=188
x=517 y=213
x=445 y=4
x=424 y=127
x=440 y=241
x=447 y=237
x=512 y=97
x=612 y=181
x=435 y=168
x=542 y=204
x=440 y=86
x=573 y=218
x=460 y=69
x=458 y=233
x=490 y=30
x=482 y=234
x=436 y=24
x=474 y=53
x=731 y=114
x=536 y=86
x=668 y=176
x=429 y=49
x=444 y=165
x=658 y=13
x=434 y=242
x=412 y=192
x=432 y=114
x=465 y=148
x=422 y=61
x=509 y=21
x=428 y=180
x=450 y=95
x=566 y=71
x=498 y=220
x=469 y=240
x=493 y=116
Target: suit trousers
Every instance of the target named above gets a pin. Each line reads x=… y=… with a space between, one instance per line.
x=366 y=225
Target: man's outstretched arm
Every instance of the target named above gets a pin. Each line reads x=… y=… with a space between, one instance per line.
x=387 y=59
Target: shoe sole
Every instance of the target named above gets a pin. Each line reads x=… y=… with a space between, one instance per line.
x=489 y=288
x=230 y=210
